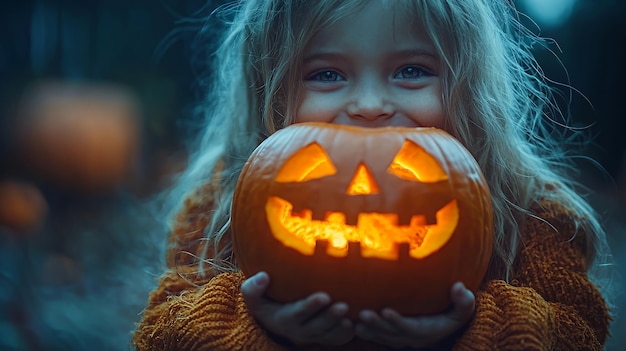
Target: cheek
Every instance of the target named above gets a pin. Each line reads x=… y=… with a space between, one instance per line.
x=425 y=108
x=318 y=107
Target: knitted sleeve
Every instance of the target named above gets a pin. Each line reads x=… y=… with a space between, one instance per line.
x=212 y=317
x=550 y=304
x=191 y=311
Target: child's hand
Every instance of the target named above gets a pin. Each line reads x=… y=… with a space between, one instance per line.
x=311 y=320
x=391 y=329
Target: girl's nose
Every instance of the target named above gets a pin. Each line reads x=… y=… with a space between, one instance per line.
x=370 y=103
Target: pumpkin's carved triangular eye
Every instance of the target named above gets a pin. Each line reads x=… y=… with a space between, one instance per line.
x=413 y=163
x=310 y=162
x=362 y=183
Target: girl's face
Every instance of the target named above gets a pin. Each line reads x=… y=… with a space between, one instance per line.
x=374 y=68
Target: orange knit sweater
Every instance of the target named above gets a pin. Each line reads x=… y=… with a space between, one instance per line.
x=550 y=303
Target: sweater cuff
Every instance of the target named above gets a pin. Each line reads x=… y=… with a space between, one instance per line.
x=509 y=318
x=213 y=317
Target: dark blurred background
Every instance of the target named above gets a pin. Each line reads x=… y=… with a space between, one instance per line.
x=81 y=241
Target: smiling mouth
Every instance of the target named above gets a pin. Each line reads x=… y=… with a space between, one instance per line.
x=375 y=235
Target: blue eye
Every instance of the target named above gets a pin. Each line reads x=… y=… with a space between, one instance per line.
x=412 y=72
x=326 y=76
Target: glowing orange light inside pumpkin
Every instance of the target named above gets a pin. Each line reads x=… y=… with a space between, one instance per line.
x=378 y=233
x=414 y=163
x=311 y=162
x=362 y=183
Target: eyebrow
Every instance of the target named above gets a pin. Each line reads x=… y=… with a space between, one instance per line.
x=323 y=56
x=331 y=55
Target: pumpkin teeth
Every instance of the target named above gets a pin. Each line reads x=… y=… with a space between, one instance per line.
x=351 y=218
x=299 y=208
x=354 y=249
x=318 y=215
x=299 y=230
x=404 y=219
x=322 y=246
x=335 y=217
x=304 y=214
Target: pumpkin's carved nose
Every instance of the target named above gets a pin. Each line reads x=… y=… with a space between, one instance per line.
x=362 y=182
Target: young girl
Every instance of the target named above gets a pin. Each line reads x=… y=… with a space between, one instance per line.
x=461 y=65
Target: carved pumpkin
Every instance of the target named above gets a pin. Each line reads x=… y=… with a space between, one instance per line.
x=376 y=217
x=79 y=136
x=23 y=208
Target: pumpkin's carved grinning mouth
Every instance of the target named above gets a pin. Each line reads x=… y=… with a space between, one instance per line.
x=375 y=235
x=352 y=218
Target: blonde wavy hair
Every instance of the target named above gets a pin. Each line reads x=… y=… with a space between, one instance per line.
x=497 y=103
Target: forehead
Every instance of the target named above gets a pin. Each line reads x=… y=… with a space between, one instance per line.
x=371 y=24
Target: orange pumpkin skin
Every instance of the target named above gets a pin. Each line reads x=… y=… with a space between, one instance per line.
x=410 y=278
x=23 y=208
x=79 y=136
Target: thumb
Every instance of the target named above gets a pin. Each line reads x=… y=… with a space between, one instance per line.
x=464 y=303
x=254 y=288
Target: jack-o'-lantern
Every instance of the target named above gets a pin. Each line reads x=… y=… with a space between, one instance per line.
x=79 y=136
x=375 y=217
x=23 y=208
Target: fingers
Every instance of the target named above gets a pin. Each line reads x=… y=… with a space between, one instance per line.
x=463 y=304
x=392 y=329
x=340 y=334
x=330 y=326
x=372 y=320
x=253 y=290
x=303 y=310
x=314 y=319
x=373 y=327
x=463 y=301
